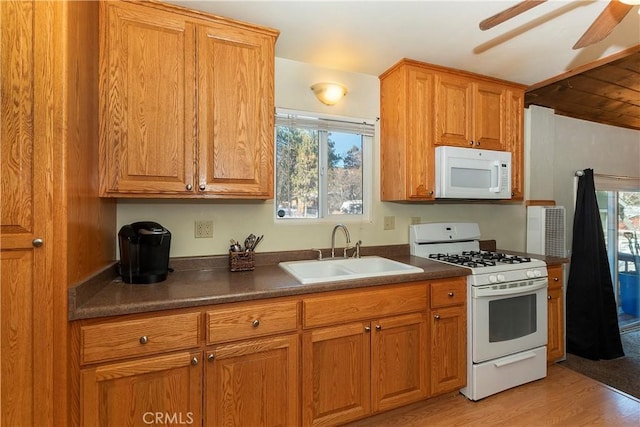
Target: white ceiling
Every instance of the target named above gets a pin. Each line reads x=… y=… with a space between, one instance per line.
x=370 y=36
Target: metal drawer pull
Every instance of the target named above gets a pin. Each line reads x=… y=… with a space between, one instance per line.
x=144 y=339
x=367 y=329
x=255 y=323
x=378 y=327
x=194 y=361
x=37 y=242
x=451 y=294
x=437 y=317
x=555 y=279
x=549 y=297
x=211 y=357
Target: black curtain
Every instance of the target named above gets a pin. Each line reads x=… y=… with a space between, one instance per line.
x=592 y=318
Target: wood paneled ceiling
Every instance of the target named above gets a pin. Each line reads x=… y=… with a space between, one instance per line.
x=606 y=93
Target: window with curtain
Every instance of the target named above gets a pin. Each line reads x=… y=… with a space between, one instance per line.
x=323 y=167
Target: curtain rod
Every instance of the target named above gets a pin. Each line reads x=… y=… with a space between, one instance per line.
x=580 y=173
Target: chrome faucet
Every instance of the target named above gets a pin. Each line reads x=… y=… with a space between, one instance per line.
x=333 y=238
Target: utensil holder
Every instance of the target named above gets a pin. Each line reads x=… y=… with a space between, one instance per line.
x=241 y=261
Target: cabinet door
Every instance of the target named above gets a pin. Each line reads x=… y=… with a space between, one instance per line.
x=555 y=341
x=253 y=383
x=448 y=349
x=515 y=117
x=27 y=140
x=555 y=313
x=156 y=390
x=420 y=155
x=399 y=361
x=147 y=94
x=453 y=115
x=336 y=385
x=490 y=121
x=235 y=112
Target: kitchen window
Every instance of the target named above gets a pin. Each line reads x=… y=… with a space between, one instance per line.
x=323 y=167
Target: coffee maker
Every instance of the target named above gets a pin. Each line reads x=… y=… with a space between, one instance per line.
x=144 y=252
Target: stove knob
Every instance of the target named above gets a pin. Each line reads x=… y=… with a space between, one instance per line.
x=493 y=279
x=501 y=278
x=537 y=273
x=530 y=274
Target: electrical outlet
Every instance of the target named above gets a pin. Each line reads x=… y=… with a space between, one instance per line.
x=416 y=220
x=204 y=229
x=389 y=222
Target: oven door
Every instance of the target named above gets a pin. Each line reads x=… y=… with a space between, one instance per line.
x=508 y=318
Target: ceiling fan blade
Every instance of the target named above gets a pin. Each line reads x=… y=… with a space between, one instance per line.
x=509 y=13
x=604 y=23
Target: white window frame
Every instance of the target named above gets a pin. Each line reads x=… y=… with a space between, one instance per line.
x=326 y=122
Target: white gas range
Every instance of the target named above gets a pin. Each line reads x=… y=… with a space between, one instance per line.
x=507 y=307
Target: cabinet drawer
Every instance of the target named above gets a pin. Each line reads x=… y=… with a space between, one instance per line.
x=555 y=276
x=360 y=305
x=128 y=338
x=249 y=321
x=448 y=292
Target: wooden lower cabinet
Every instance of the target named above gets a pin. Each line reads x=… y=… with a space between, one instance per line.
x=253 y=383
x=555 y=314
x=448 y=350
x=151 y=391
x=399 y=361
x=352 y=370
x=319 y=360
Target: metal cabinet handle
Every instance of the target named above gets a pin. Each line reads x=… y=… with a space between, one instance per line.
x=437 y=317
x=255 y=323
x=549 y=297
x=477 y=143
x=378 y=327
x=555 y=279
x=194 y=361
x=189 y=187
x=471 y=143
x=211 y=357
x=367 y=329
x=144 y=339
x=451 y=294
x=37 y=242
x=202 y=187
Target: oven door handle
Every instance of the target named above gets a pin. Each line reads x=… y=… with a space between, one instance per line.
x=489 y=291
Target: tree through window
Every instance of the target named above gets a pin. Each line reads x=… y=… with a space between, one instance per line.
x=322 y=167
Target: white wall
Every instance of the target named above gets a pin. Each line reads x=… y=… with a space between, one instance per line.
x=236 y=219
x=576 y=145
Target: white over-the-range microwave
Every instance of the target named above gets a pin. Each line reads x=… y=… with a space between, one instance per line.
x=468 y=173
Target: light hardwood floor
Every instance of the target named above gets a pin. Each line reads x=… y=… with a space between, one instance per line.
x=563 y=398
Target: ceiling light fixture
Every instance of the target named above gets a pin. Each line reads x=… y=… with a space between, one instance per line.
x=329 y=93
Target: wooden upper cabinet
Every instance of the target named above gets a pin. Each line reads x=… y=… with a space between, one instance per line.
x=172 y=81
x=406 y=147
x=147 y=88
x=515 y=130
x=470 y=113
x=235 y=112
x=490 y=116
x=423 y=106
x=453 y=111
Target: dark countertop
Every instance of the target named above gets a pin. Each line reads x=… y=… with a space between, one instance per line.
x=207 y=280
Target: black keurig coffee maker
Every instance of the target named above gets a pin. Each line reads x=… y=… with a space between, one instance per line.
x=144 y=252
